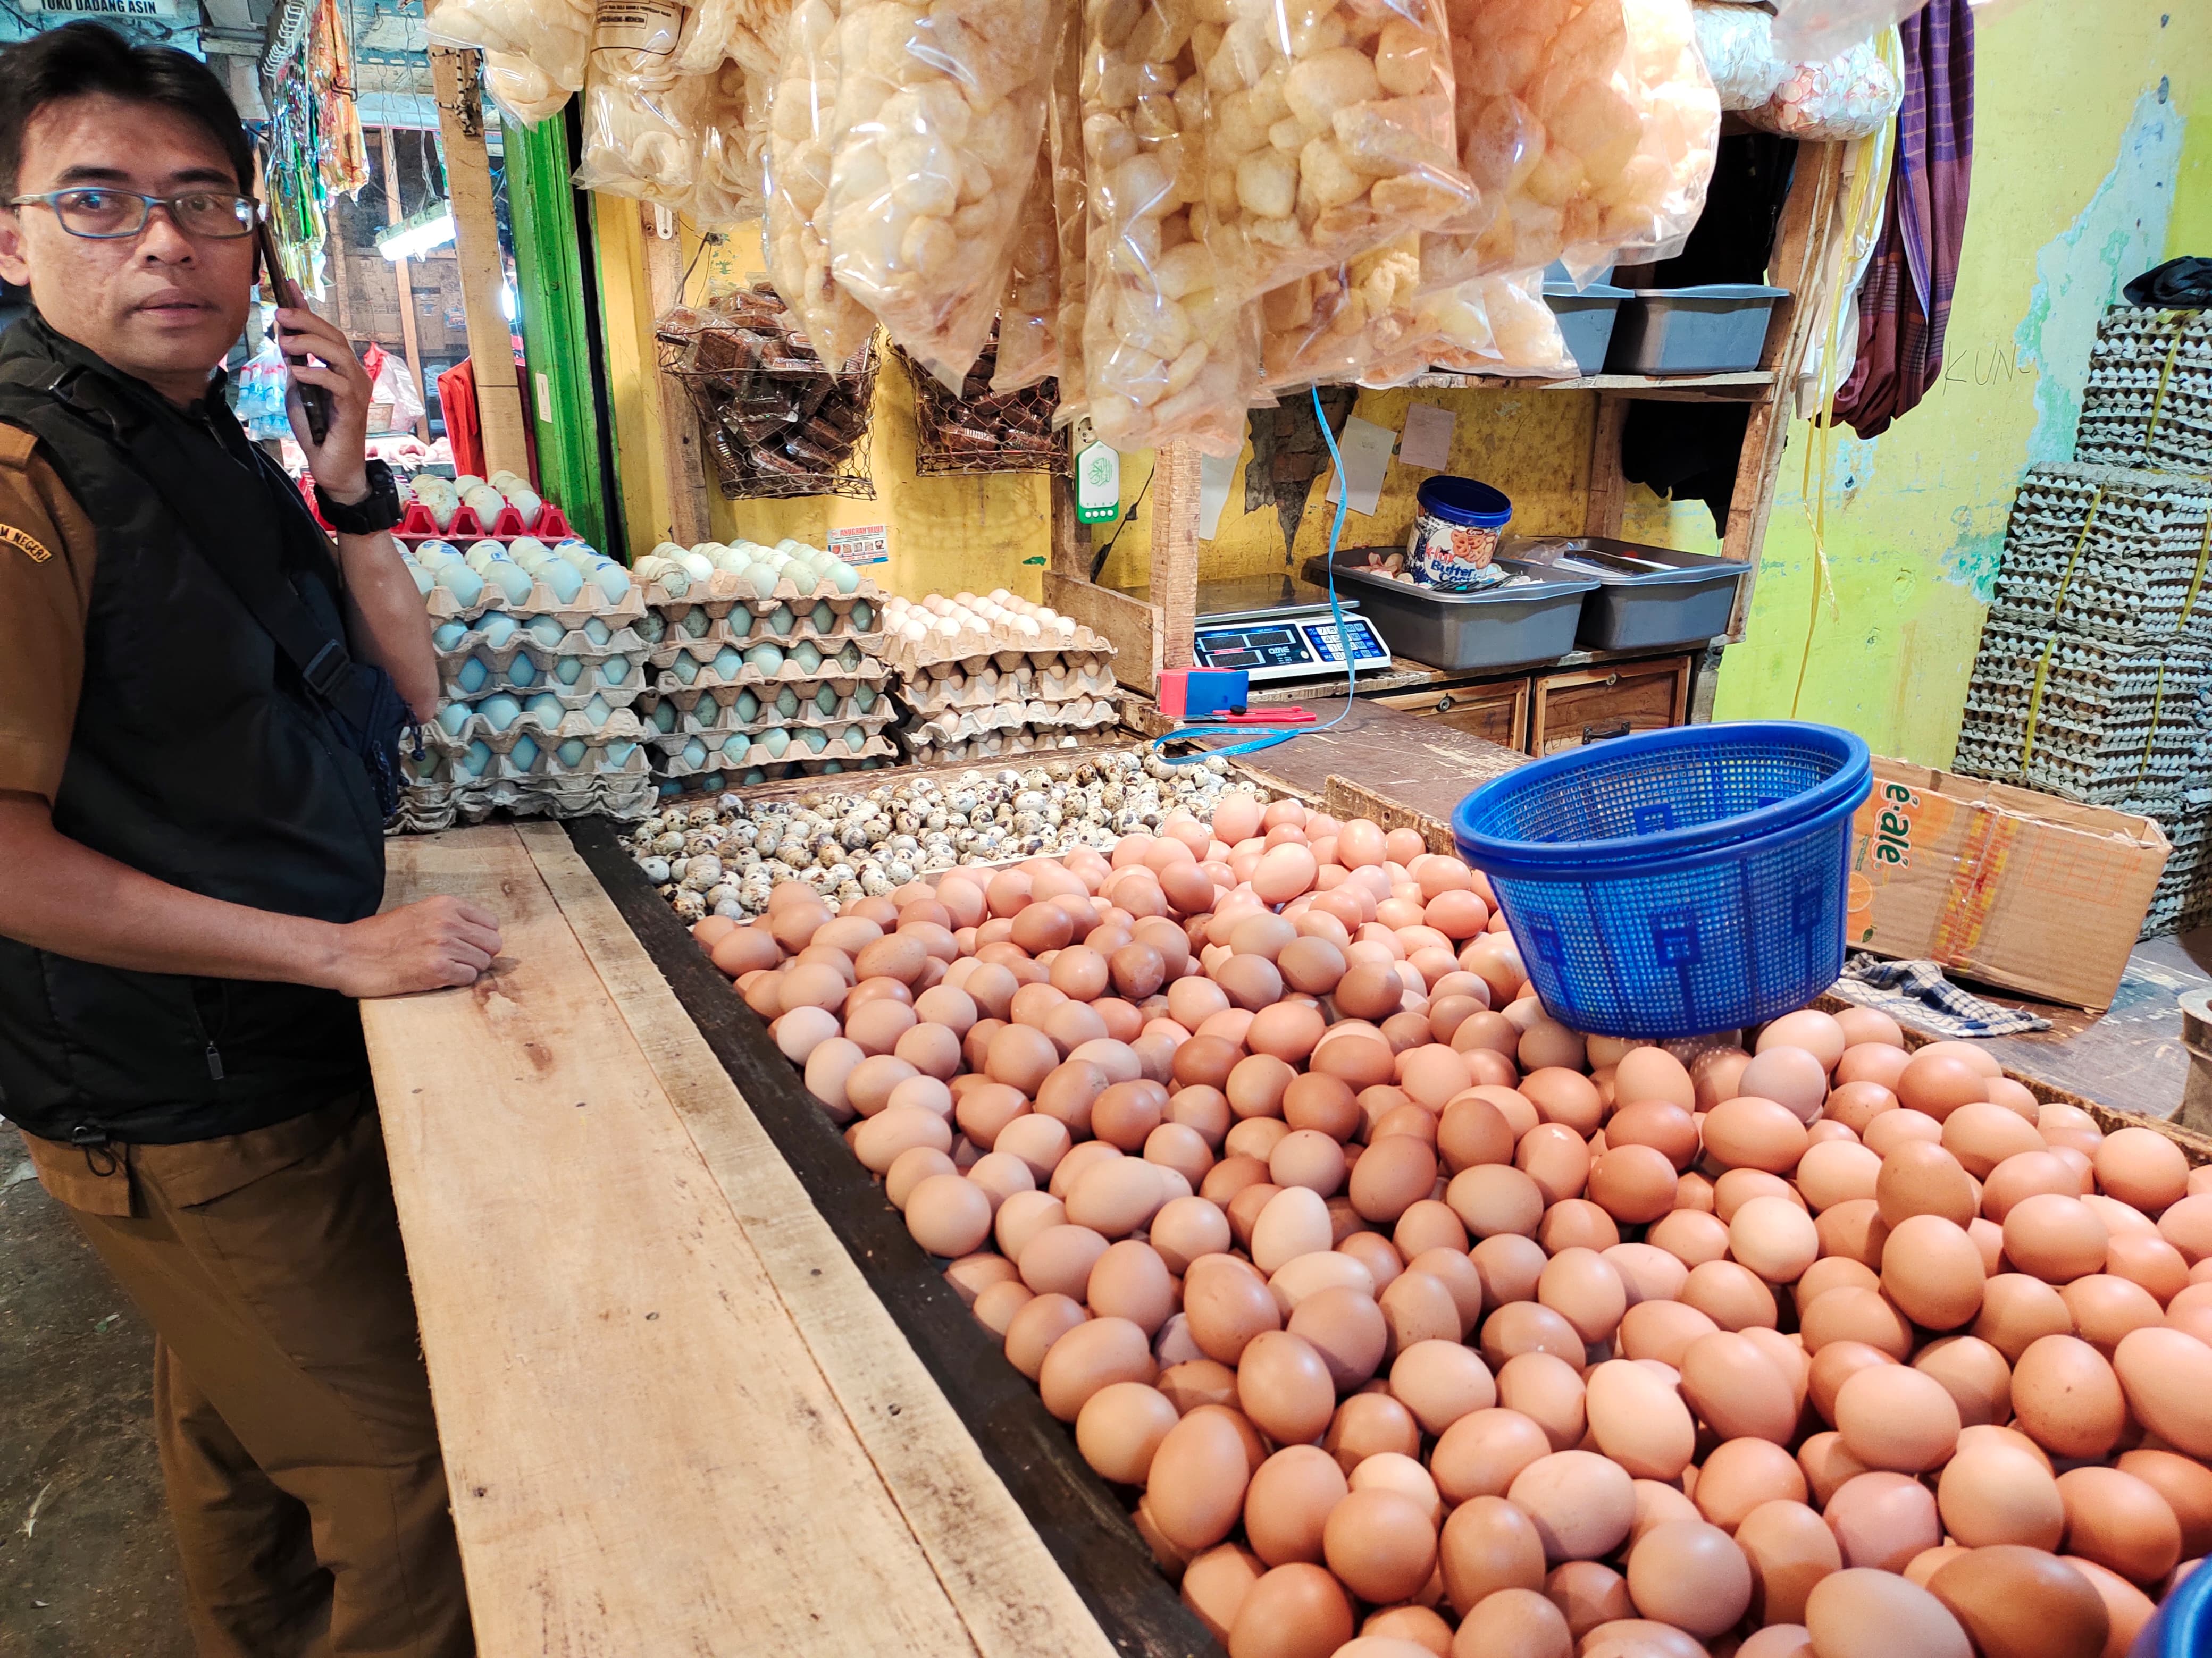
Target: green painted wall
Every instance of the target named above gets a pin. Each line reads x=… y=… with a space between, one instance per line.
x=2093 y=161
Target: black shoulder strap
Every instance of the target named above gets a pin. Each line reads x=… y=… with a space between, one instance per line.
x=197 y=498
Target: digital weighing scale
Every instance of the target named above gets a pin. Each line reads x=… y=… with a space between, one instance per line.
x=1285 y=641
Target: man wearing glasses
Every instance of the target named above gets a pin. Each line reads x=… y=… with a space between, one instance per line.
x=191 y=860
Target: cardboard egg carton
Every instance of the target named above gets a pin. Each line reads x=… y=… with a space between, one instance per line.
x=665 y=656
x=953 y=726
x=967 y=651
x=445 y=605
x=720 y=710
x=625 y=641
x=726 y=589
x=674 y=756
x=622 y=726
x=425 y=808
x=997 y=744
x=543 y=675
x=1056 y=681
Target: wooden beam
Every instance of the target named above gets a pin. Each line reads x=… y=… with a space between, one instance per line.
x=645 y=1456
x=1070 y=540
x=476 y=244
x=1800 y=262
x=402 y=273
x=682 y=459
x=1135 y=629
x=1175 y=550
x=1608 y=491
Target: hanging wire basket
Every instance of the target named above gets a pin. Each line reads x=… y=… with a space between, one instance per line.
x=979 y=431
x=777 y=422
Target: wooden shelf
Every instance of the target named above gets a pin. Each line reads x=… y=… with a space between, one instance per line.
x=1752 y=386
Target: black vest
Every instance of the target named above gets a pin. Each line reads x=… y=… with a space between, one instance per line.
x=198 y=757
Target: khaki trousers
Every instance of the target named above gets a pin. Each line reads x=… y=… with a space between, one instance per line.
x=292 y=1410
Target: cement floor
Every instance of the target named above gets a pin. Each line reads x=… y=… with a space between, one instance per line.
x=86 y=1566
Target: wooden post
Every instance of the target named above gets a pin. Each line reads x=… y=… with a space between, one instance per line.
x=1175 y=550
x=683 y=464
x=1799 y=264
x=1608 y=490
x=406 y=280
x=1070 y=540
x=475 y=241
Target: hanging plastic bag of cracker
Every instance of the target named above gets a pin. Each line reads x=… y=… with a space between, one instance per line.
x=1029 y=311
x=799 y=113
x=1592 y=124
x=940 y=110
x=1495 y=325
x=534 y=50
x=1071 y=215
x=640 y=114
x=1169 y=349
x=1328 y=326
x=1329 y=131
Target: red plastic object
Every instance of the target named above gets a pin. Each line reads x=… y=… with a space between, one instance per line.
x=507 y=525
x=1288 y=714
x=552 y=524
x=417 y=521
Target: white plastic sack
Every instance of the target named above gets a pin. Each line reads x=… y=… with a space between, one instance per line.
x=534 y=50
x=1737 y=43
x=640 y=113
x=1850 y=96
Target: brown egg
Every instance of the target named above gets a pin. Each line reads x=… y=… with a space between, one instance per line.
x=1380 y=1544
x=1282 y=1384
x=2186 y=1486
x=1036 y=1327
x=948 y=1214
x=1638 y=1419
x=1663 y=1330
x=1981 y=1136
x=1652 y=1075
x=1750 y=1133
x=2167 y=1376
x=2187 y=1225
x=1545 y=1388
x=1198 y=1477
x=1789 y=1076
x=1891 y=1129
x=1790 y=1549
x=1440 y=1381
x=1195 y=1382
x=2019 y=1602
x=1633 y=1184
x=1849 y=1314
x=1899 y=1419
x=2055 y=1238
x=1514 y=1623
x=1482 y=1454
x=1993 y=1492
x=1588 y=1595
x=1824 y=1465
x=1882 y=1519
x=1738 y=1475
x=2149 y=1260
x=1288 y=1502
x=2023 y=1175
x=1737 y=1389
x=1508 y=1268
x=2121 y=1522
x=1638 y=1637
x=1228 y=1304
x=1582 y=1503
x=2017 y=1310
x=1344 y=1326
x=1931 y=1269
x=1858 y=1613
x=1427 y=1225
x=2067 y=1397
x=1488 y=1545
x=1974 y=1374
x=1857 y=1104
x=1120 y=1429
x=1088 y=1358
x=1731 y=1296
x=2105 y=1307
x=1920 y=1179
x=1692 y=1237
x=1691 y=1574
x=2143 y=1167
x=1370 y=1424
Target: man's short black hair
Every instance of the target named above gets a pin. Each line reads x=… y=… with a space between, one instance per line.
x=85 y=58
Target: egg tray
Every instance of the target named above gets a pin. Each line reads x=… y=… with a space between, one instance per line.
x=425 y=808
x=953 y=726
x=626 y=640
x=709 y=717
x=1050 y=683
x=622 y=726
x=968 y=651
x=578 y=696
x=2120 y=784
x=725 y=589
x=870 y=667
x=2095 y=673
x=2058 y=496
x=668 y=761
x=994 y=745
x=600 y=760
x=445 y=605
x=500 y=665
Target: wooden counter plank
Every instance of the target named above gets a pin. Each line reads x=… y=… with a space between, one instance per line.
x=1013 y=1596
x=645 y=1458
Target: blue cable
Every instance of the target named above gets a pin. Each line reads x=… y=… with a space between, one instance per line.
x=1271 y=735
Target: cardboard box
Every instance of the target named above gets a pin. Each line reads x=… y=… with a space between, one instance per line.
x=2007 y=886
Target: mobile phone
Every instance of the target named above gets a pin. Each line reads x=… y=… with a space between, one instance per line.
x=314 y=400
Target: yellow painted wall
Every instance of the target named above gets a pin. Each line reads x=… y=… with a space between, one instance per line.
x=2093 y=161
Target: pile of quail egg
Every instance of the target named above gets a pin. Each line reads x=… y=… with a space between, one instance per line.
x=725 y=858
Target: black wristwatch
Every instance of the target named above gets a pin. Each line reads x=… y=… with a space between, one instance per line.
x=379 y=510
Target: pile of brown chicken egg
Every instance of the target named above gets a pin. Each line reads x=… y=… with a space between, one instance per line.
x=1413 y=1322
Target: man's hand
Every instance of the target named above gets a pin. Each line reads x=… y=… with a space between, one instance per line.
x=340 y=461
x=427 y=945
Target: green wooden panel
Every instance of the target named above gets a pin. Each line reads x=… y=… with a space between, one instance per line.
x=556 y=331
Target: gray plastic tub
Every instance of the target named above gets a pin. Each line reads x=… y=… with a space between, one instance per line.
x=1646 y=596
x=1503 y=628
x=1719 y=329
x=1586 y=320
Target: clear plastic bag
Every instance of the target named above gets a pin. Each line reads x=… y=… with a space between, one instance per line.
x=1849 y=96
x=1737 y=43
x=1328 y=131
x=640 y=114
x=534 y=50
x=1493 y=325
x=1592 y=123
x=1808 y=31
x=1169 y=349
x=940 y=110
x=836 y=326
x=1071 y=215
x=1029 y=311
x=728 y=190
x=1330 y=326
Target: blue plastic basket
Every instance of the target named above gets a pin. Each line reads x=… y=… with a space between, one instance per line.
x=1677 y=883
x=2183 y=1628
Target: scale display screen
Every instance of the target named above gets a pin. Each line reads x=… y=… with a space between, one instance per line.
x=1285 y=647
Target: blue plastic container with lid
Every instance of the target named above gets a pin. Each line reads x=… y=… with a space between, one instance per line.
x=1456 y=525
x=1677 y=883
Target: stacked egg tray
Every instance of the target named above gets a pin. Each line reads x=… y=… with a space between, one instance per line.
x=709 y=654
x=427 y=807
x=2147 y=401
x=2113 y=723
x=2106 y=552
x=979 y=695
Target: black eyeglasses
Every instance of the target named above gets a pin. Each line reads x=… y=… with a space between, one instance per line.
x=104 y=215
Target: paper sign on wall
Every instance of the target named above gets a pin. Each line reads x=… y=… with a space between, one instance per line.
x=1215 y=473
x=1366 y=450
x=1427 y=439
x=862 y=543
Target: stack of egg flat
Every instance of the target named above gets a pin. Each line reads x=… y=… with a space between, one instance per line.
x=539 y=661
x=764 y=664
x=999 y=675
x=2149 y=398
x=485 y=497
